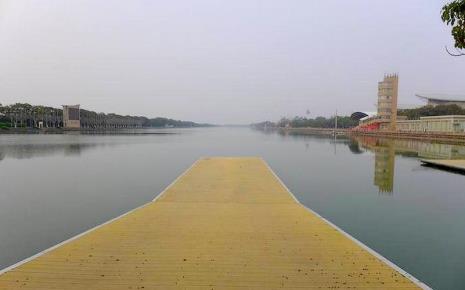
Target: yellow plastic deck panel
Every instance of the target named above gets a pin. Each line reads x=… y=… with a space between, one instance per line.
x=228 y=223
x=456 y=164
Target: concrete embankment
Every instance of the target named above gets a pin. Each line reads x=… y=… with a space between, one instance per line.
x=445 y=137
x=429 y=136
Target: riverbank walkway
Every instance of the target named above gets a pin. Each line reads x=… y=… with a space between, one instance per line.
x=226 y=223
x=453 y=164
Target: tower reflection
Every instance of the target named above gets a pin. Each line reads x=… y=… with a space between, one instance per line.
x=384 y=167
x=384 y=151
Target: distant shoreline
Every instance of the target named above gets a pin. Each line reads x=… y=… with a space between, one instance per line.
x=118 y=131
x=445 y=137
x=457 y=138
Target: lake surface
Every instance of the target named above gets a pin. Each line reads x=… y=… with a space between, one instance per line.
x=53 y=187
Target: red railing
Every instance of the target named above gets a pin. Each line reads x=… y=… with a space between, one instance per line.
x=374 y=126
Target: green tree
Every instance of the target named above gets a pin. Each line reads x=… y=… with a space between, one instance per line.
x=318 y=122
x=453 y=14
x=425 y=111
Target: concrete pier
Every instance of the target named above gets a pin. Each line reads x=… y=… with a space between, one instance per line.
x=453 y=164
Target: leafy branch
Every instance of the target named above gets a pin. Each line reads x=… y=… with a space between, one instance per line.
x=453 y=14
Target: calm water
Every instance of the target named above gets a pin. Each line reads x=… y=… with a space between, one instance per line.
x=55 y=186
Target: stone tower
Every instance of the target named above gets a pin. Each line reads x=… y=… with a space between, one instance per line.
x=71 y=117
x=387 y=100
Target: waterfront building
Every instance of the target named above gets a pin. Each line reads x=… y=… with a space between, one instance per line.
x=434 y=124
x=434 y=100
x=386 y=118
x=387 y=100
x=71 y=116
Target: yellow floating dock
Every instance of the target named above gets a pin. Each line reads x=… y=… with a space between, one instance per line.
x=227 y=223
x=455 y=164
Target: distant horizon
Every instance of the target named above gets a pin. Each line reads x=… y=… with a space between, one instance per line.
x=166 y=117
x=216 y=124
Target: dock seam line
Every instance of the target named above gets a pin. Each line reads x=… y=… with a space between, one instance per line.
x=41 y=253
x=365 y=247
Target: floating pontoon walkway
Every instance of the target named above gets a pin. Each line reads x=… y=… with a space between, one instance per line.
x=227 y=223
x=453 y=164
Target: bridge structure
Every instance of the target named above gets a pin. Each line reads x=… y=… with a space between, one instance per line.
x=226 y=223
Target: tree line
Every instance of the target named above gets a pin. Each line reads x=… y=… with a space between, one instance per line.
x=26 y=115
x=429 y=110
x=301 y=122
x=23 y=115
x=347 y=122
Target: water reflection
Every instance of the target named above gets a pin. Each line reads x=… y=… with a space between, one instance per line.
x=384 y=168
x=416 y=148
x=46 y=200
x=385 y=151
x=354 y=147
x=27 y=151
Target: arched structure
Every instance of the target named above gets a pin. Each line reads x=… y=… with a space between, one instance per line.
x=362 y=115
x=438 y=99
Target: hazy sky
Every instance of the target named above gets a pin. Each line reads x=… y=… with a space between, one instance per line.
x=222 y=61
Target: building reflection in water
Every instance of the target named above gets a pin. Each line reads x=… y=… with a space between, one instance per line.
x=384 y=167
x=386 y=149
